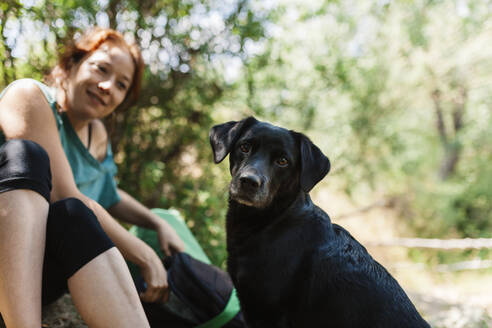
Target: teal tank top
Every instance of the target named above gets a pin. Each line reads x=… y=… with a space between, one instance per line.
x=93 y=178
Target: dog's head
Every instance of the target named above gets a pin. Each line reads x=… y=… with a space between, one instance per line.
x=266 y=160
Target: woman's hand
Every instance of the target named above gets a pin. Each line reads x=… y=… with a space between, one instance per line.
x=130 y=210
x=155 y=276
x=169 y=239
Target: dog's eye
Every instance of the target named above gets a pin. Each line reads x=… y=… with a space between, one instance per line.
x=282 y=161
x=245 y=147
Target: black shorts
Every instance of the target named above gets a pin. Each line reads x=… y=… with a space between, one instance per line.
x=25 y=165
x=73 y=234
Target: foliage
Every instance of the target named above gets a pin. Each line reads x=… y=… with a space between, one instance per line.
x=397 y=93
x=160 y=145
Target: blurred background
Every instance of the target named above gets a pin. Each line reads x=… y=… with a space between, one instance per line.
x=397 y=93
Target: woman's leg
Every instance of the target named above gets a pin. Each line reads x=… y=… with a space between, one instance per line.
x=102 y=289
x=70 y=239
x=107 y=280
x=98 y=278
x=23 y=216
x=25 y=183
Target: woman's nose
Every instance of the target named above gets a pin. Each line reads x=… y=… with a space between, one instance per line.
x=105 y=85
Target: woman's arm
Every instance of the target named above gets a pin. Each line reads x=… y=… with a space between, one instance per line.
x=136 y=251
x=25 y=114
x=132 y=211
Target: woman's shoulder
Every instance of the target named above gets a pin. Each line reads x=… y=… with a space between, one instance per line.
x=25 y=112
x=28 y=91
x=25 y=84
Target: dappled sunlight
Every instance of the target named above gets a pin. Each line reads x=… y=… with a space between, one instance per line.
x=396 y=93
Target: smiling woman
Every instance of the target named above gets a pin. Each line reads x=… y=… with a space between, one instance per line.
x=57 y=188
x=97 y=75
x=102 y=40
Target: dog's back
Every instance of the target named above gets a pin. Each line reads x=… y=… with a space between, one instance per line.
x=357 y=290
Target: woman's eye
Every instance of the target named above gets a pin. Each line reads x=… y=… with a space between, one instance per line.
x=102 y=68
x=245 y=147
x=122 y=85
x=282 y=161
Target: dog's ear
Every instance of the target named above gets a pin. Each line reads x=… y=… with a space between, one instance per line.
x=314 y=164
x=224 y=136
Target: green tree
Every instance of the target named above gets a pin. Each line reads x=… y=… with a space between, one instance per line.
x=161 y=144
x=396 y=93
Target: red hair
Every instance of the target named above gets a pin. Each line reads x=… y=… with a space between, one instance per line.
x=90 y=41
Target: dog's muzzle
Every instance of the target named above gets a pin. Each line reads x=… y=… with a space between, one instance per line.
x=249 y=181
x=250 y=189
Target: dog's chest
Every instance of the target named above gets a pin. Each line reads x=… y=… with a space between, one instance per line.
x=262 y=285
x=265 y=266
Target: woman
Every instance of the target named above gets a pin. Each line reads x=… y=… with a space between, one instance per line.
x=97 y=75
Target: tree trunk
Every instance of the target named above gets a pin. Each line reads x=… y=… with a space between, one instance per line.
x=451 y=145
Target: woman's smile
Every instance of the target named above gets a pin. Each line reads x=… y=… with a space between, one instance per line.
x=96 y=98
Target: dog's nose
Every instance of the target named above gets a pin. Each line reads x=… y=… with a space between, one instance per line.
x=250 y=180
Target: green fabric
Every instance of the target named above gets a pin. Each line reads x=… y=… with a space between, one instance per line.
x=230 y=311
x=93 y=178
x=176 y=221
x=191 y=247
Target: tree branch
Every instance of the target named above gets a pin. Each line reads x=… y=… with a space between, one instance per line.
x=459 y=109
x=112 y=11
x=441 y=127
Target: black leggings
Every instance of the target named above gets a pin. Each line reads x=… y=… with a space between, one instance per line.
x=73 y=234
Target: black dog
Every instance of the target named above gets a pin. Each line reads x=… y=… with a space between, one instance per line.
x=291 y=266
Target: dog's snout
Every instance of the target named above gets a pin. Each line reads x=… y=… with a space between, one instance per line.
x=250 y=180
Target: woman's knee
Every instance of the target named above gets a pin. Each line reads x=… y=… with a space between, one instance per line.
x=74 y=235
x=24 y=164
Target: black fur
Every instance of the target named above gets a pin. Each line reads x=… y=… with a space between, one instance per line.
x=290 y=265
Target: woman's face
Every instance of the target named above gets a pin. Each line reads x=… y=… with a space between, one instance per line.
x=99 y=82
